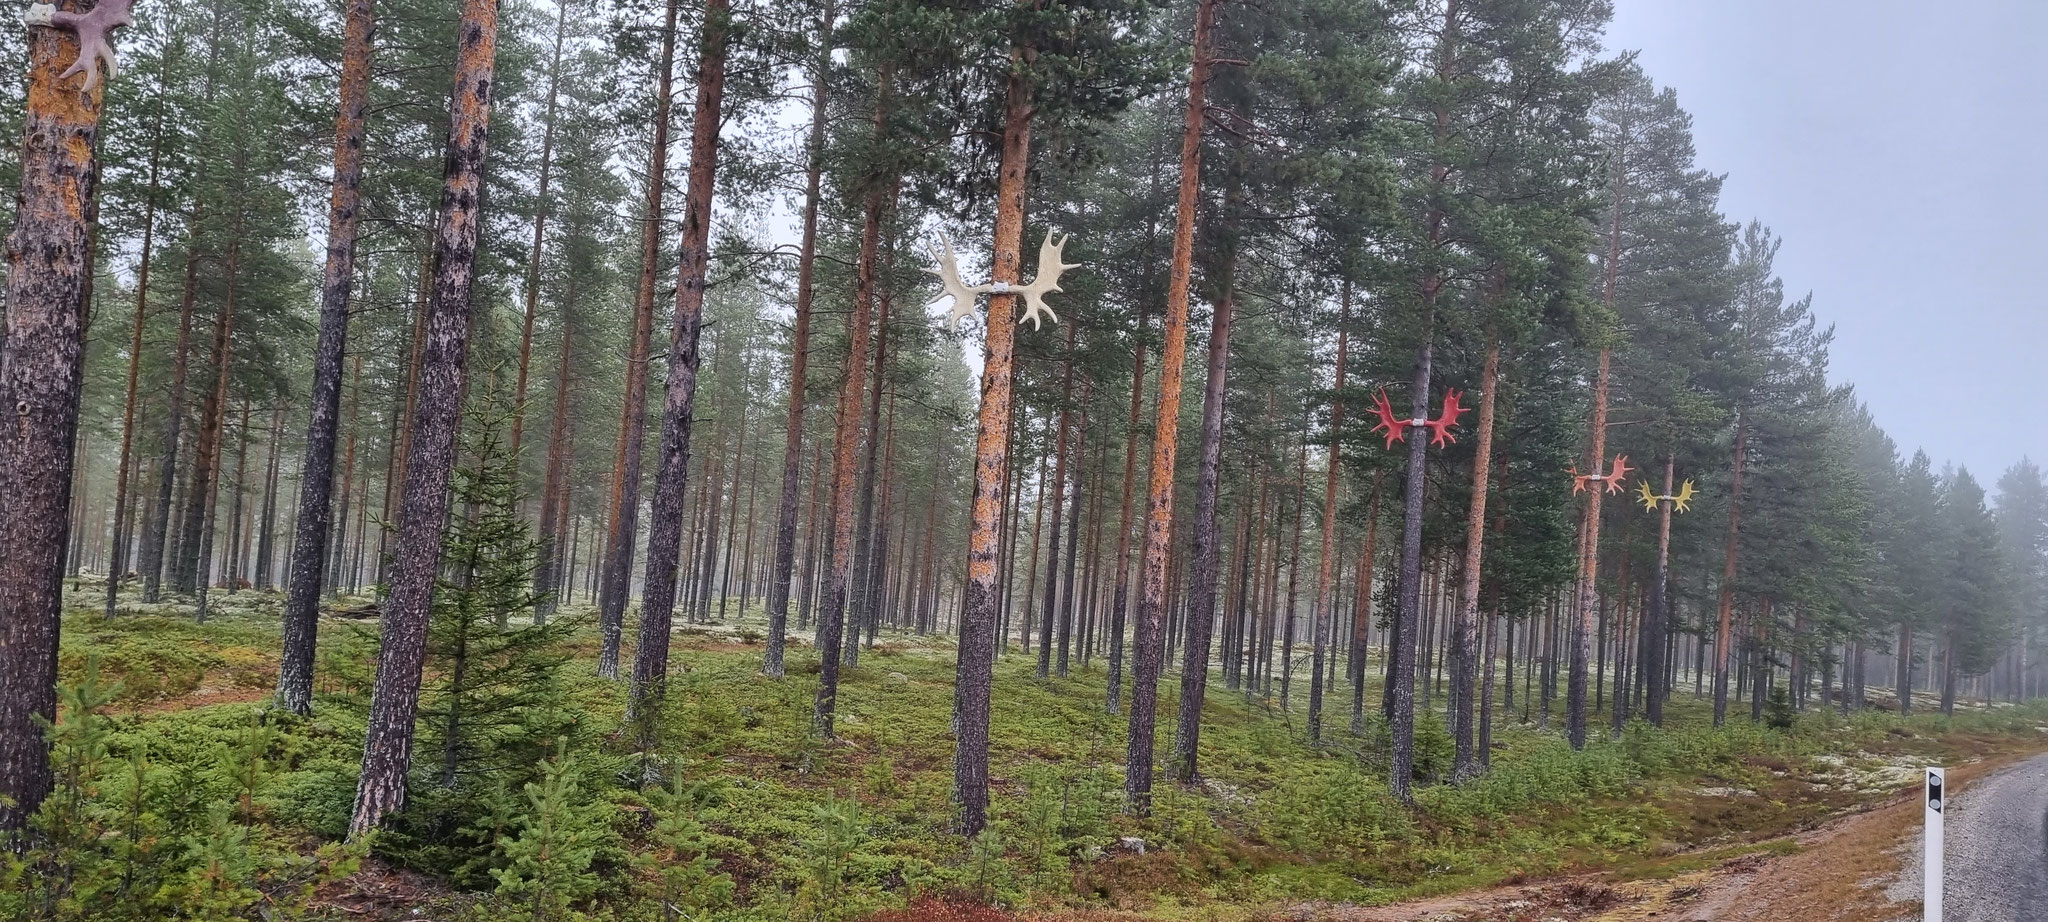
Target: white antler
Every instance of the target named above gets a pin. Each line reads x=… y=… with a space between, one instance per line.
x=948 y=273
x=1050 y=265
x=94 y=30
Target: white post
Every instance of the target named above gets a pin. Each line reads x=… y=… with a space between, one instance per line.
x=1930 y=873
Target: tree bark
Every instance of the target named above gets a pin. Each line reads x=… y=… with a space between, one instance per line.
x=839 y=515
x=1401 y=653
x=547 y=577
x=1587 y=595
x=1656 y=625
x=348 y=478
x=1059 y=489
x=1905 y=670
x=1067 y=598
x=1361 y=620
x=861 y=602
x=1326 y=566
x=1463 y=675
x=42 y=356
x=157 y=535
x=543 y=210
x=975 y=671
x=316 y=470
x=118 y=567
x=423 y=512
x=266 y=528
x=1152 y=601
x=196 y=550
x=800 y=356
x=237 y=556
x=1728 y=570
x=615 y=577
x=1208 y=546
x=672 y=478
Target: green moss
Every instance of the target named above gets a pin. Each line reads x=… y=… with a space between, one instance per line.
x=800 y=824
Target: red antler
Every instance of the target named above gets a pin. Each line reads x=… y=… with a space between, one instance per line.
x=1397 y=429
x=1447 y=420
x=1617 y=473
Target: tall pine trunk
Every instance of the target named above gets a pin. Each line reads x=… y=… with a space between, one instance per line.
x=1154 y=560
x=860 y=602
x=1208 y=547
x=157 y=535
x=1327 y=563
x=837 y=533
x=1067 y=597
x=1587 y=592
x=1120 y=595
x=1362 y=618
x=316 y=470
x=195 y=551
x=118 y=566
x=672 y=476
x=800 y=357
x=554 y=513
x=1407 y=620
x=42 y=355
x=615 y=575
x=1465 y=763
x=423 y=512
x=1656 y=624
x=545 y=209
x=1723 y=637
x=1059 y=487
x=266 y=526
x=976 y=663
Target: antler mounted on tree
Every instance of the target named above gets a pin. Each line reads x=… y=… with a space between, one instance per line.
x=948 y=273
x=1447 y=420
x=94 y=31
x=1649 y=498
x=1613 y=478
x=1397 y=428
x=1051 y=264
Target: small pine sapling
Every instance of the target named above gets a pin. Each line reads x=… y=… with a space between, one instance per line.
x=687 y=882
x=550 y=856
x=837 y=832
x=495 y=696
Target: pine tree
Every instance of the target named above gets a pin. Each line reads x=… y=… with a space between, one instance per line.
x=387 y=752
x=1150 y=634
x=495 y=691
x=2023 y=526
x=41 y=371
x=671 y=483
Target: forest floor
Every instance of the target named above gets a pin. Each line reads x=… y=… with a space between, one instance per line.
x=1683 y=823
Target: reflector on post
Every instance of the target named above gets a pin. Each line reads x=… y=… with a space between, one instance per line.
x=1930 y=874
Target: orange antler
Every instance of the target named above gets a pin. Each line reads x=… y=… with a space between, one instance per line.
x=1614 y=476
x=1397 y=429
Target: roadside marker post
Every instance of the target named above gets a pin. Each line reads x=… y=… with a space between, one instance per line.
x=1930 y=874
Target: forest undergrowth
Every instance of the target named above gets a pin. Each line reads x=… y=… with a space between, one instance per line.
x=182 y=794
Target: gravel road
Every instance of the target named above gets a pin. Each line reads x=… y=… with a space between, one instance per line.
x=1997 y=861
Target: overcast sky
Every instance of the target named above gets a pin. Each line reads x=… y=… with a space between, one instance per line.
x=1900 y=148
